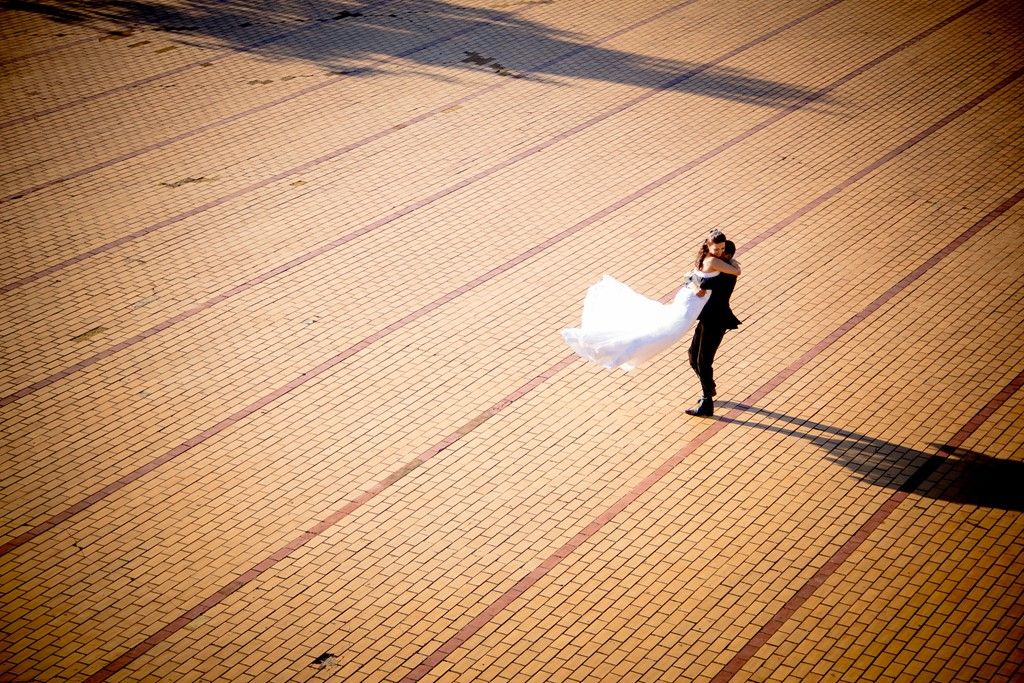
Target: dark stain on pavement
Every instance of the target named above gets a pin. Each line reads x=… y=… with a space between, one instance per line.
x=490 y=63
x=89 y=334
x=325 y=660
x=344 y=14
x=186 y=181
x=115 y=35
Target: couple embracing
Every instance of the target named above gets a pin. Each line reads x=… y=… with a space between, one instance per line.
x=622 y=328
x=718 y=269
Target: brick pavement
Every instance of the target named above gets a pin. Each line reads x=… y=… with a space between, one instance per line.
x=281 y=371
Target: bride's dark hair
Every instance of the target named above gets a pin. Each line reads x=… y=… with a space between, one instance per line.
x=714 y=237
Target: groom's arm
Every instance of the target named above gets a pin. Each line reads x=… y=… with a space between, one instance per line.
x=710 y=283
x=706 y=284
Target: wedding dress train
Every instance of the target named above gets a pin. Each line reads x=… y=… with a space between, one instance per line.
x=622 y=329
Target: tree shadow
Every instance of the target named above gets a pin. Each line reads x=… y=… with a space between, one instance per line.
x=954 y=474
x=363 y=33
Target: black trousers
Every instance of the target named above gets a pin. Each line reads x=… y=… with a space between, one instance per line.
x=706 y=340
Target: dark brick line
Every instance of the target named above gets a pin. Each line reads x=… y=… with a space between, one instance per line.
x=219 y=123
x=320 y=527
x=230 y=52
x=471 y=425
x=124 y=87
x=870 y=168
x=245 y=412
x=47 y=51
x=553 y=560
x=305 y=166
x=889 y=156
x=759 y=639
x=330 y=246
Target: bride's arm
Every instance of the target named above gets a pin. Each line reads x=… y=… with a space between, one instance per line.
x=713 y=264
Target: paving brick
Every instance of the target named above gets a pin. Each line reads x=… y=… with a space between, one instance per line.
x=281 y=371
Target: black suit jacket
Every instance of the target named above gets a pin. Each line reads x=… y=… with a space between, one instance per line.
x=716 y=312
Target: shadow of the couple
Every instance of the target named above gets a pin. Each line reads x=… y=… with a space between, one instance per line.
x=949 y=473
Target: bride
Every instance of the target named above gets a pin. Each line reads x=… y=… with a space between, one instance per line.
x=622 y=329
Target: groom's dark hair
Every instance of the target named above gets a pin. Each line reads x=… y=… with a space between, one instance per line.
x=730 y=248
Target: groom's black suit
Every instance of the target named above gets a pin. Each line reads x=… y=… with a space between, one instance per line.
x=713 y=321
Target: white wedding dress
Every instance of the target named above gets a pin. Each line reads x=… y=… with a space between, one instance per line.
x=622 y=329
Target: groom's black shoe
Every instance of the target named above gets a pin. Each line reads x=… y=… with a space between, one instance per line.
x=705 y=408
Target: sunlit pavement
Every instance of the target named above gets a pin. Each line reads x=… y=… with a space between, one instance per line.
x=284 y=396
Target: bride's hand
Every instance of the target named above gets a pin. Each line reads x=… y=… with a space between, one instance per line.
x=701 y=292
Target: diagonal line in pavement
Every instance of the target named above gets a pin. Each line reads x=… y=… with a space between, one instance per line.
x=323 y=525
x=368 y=494
x=310 y=255
x=736 y=664
x=330 y=246
x=205 y=62
x=220 y=123
x=873 y=166
x=305 y=166
x=328 y=364
x=553 y=560
x=138 y=83
x=48 y=50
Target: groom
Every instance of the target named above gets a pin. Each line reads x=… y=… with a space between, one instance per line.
x=713 y=321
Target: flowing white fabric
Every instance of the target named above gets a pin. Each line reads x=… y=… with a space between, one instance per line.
x=622 y=329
